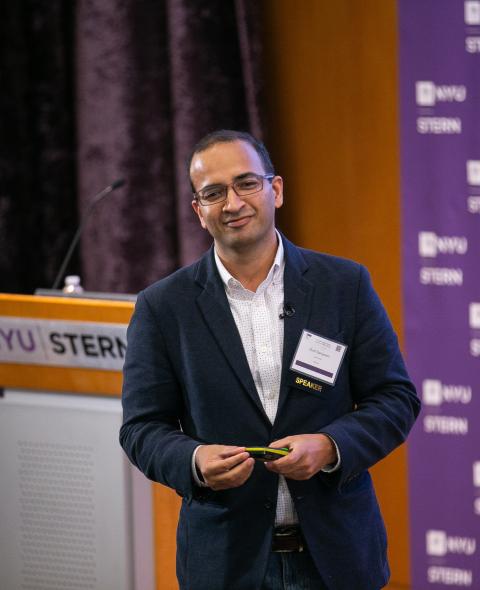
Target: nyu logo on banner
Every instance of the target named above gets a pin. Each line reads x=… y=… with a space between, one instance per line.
x=474 y=323
x=441 y=277
x=476 y=474
x=430 y=245
x=472 y=17
x=476 y=483
x=472 y=12
x=435 y=393
x=427 y=93
x=439 y=125
x=473 y=204
x=448 y=425
x=449 y=576
x=472 y=44
x=473 y=172
x=438 y=544
x=474 y=316
x=473 y=179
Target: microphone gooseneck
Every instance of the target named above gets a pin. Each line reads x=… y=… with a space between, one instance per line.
x=96 y=199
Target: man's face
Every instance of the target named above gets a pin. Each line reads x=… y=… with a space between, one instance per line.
x=236 y=222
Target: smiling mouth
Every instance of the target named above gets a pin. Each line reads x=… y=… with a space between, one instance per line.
x=238 y=222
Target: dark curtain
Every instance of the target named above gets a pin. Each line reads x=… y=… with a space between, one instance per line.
x=142 y=80
x=38 y=206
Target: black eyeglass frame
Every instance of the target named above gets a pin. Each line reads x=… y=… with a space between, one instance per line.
x=197 y=196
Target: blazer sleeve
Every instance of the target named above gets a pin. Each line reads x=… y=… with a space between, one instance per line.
x=385 y=401
x=152 y=402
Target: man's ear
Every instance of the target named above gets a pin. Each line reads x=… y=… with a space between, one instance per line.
x=277 y=187
x=198 y=210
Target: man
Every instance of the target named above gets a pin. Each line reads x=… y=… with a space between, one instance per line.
x=261 y=343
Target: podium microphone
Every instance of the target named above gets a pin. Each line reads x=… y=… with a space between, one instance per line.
x=96 y=199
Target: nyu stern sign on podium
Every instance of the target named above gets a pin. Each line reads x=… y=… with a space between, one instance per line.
x=61 y=343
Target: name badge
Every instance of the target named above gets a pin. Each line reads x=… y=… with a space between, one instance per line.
x=318 y=357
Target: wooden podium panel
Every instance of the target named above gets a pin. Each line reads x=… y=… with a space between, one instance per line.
x=34 y=314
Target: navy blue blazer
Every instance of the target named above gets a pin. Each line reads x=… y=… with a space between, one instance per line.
x=187 y=381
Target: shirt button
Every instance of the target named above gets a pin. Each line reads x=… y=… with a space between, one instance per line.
x=264 y=349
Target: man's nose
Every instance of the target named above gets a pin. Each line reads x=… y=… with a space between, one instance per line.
x=233 y=202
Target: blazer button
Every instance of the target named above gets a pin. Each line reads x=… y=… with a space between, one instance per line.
x=268 y=505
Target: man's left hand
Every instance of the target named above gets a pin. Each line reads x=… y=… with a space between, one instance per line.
x=308 y=454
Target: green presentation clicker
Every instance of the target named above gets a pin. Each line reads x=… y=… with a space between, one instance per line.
x=267 y=453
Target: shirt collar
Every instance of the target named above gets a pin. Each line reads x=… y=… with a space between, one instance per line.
x=278 y=264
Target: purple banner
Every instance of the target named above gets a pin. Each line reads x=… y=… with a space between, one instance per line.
x=440 y=151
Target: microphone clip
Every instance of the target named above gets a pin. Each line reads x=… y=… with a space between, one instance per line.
x=288 y=311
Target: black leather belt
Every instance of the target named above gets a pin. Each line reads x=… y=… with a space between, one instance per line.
x=288 y=539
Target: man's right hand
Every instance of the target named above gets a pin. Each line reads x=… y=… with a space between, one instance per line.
x=224 y=467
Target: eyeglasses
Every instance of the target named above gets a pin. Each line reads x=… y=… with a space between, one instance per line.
x=245 y=186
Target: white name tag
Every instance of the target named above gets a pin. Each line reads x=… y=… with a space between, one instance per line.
x=318 y=357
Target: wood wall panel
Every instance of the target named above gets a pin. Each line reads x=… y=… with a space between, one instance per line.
x=166 y=509
x=332 y=109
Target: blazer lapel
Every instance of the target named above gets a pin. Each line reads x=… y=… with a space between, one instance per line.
x=298 y=292
x=214 y=306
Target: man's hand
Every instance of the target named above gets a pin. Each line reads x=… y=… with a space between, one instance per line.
x=224 y=467
x=308 y=454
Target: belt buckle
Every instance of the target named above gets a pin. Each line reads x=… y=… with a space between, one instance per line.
x=285 y=533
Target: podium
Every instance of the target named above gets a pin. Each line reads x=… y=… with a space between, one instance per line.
x=75 y=513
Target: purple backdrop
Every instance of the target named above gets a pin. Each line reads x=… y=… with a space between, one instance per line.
x=440 y=148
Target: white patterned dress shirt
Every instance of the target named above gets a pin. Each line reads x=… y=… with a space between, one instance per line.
x=256 y=316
